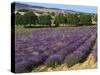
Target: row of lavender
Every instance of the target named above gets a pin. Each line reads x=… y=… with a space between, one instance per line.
x=52 y=46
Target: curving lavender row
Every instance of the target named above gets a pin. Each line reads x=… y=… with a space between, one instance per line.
x=81 y=53
x=34 y=47
x=58 y=57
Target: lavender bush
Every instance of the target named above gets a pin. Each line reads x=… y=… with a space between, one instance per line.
x=40 y=46
x=81 y=53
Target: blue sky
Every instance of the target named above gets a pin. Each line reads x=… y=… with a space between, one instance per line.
x=87 y=9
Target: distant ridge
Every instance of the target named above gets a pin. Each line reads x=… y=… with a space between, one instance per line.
x=19 y=5
x=25 y=6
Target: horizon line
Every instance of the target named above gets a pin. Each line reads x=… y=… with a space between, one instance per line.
x=79 y=8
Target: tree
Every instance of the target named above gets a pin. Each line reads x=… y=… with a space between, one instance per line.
x=30 y=18
x=44 y=20
x=19 y=19
x=53 y=14
x=94 y=18
x=72 y=19
x=85 y=19
x=60 y=19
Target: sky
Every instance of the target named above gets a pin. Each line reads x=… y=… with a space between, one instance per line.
x=87 y=9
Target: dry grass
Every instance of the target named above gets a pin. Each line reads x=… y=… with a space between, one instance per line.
x=90 y=63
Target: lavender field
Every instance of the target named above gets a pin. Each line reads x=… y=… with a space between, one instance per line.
x=53 y=47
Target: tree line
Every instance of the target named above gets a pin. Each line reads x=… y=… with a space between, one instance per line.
x=31 y=19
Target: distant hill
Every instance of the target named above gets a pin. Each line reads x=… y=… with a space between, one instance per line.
x=19 y=5
x=25 y=6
